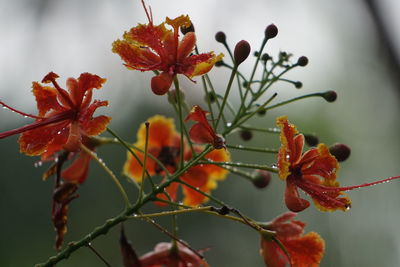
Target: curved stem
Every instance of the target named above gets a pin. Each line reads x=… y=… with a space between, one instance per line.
x=110 y=173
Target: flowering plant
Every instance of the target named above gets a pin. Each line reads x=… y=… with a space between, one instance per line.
x=175 y=165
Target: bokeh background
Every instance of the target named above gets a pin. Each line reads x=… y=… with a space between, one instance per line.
x=346 y=42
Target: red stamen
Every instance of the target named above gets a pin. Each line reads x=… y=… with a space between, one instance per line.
x=20 y=112
x=348 y=188
x=46 y=121
x=149 y=16
x=63 y=93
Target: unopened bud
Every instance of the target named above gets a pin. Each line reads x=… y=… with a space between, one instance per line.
x=220 y=37
x=265 y=57
x=302 y=61
x=330 y=96
x=298 y=84
x=311 y=139
x=262 y=178
x=211 y=97
x=241 y=52
x=262 y=112
x=340 y=151
x=246 y=135
x=185 y=30
x=271 y=31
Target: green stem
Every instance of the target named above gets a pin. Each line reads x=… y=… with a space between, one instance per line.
x=255 y=149
x=264 y=130
x=181 y=124
x=228 y=89
x=103 y=229
x=109 y=172
x=141 y=190
x=294 y=99
x=216 y=200
x=127 y=146
x=241 y=165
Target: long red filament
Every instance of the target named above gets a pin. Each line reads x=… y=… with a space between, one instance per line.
x=42 y=122
x=20 y=112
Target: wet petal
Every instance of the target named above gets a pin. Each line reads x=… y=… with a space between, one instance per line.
x=46 y=98
x=162 y=132
x=78 y=171
x=306 y=251
x=293 y=200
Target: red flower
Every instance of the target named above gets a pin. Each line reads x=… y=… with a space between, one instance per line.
x=304 y=250
x=148 y=47
x=313 y=171
x=166 y=254
x=164 y=144
x=202 y=132
x=64 y=116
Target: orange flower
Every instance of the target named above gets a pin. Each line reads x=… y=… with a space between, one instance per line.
x=201 y=132
x=148 y=47
x=164 y=144
x=166 y=254
x=64 y=116
x=313 y=171
x=304 y=250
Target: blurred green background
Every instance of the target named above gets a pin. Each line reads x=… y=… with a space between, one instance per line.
x=346 y=54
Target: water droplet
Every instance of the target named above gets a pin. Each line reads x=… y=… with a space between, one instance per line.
x=229 y=124
x=56 y=159
x=25 y=116
x=180 y=203
x=274 y=166
x=134 y=215
x=89 y=244
x=197 y=188
x=4 y=107
x=38 y=164
x=348 y=207
x=59 y=132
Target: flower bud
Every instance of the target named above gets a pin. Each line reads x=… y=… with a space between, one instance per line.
x=241 y=52
x=298 y=84
x=330 y=96
x=220 y=37
x=246 y=135
x=265 y=57
x=302 y=61
x=311 y=139
x=211 y=97
x=185 y=30
x=262 y=112
x=262 y=178
x=271 y=31
x=340 y=151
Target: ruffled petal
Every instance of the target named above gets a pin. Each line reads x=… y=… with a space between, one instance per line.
x=35 y=142
x=324 y=165
x=197 y=65
x=78 y=171
x=162 y=132
x=94 y=126
x=46 y=99
x=306 y=251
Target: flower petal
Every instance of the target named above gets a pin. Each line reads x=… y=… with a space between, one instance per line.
x=306 y=251
x=293 y=200
x=78 y=171
x=46 y=98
